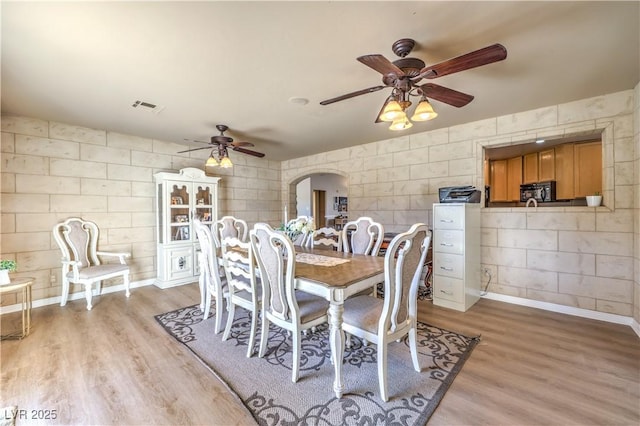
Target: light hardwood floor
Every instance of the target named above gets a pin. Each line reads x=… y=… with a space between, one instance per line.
x=116 y=365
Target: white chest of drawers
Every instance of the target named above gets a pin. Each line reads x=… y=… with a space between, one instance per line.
x=456 y=255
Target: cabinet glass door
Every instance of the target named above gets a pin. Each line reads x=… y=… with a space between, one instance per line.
x=179 y=197
x=204 y=206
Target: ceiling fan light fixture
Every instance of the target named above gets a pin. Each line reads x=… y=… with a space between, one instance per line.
x=211 y=161
x=424 y=111
x=401 y=124
x=392 y=111
x=225 y=162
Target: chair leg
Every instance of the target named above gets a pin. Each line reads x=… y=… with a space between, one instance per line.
x=264 y=334
x=65 y=290
x=382 y=370
x=206 y=306
x=295 y=370
x=252 y=337
x=230 y=316
x=127 y=284
x=88 y=295
x=219 y=309
x=414 y=348
x=203 y=291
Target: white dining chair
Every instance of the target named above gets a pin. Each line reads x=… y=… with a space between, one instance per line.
x=387 y=320
x=211 y=286
x=282 y=305
x=78 y=241
x=230 y=226
x=326 y=238
x=239 y=266
x=362 y=236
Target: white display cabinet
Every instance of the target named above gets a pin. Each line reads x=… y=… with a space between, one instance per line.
x=456 y=255
x=181 y=197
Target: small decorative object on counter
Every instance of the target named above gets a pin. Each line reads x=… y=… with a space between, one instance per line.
x=6 y=266
x=594 y=200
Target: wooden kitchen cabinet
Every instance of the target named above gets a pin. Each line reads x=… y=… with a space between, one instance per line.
x=588 y=168
x=498 y=171
x=565 y=184
x=530 y=168
x=514 y=178
x=546 y=165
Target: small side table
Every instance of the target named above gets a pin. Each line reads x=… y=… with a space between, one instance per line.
x=17 y=284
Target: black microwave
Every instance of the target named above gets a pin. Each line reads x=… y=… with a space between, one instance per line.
x=541 y=192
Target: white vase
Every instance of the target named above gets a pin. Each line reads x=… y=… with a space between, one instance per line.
x=4 y=276
x=594 y=200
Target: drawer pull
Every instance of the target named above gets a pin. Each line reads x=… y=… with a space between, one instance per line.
x=450 y=293
x=446 y=244
x=446 y=220
x=446 y=269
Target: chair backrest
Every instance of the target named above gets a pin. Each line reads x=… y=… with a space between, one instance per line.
x=78 y=241
x=362 y=236
x=230 y=226
x=403 y=263
x=326 y=238
x=207 y=249
x=239 y=265
x=276 y=260
x=300 y=230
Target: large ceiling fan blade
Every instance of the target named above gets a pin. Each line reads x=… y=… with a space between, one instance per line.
x=248 y=151
x=194 y=149
x=234 y=144
x=486 y=55
x=381 y=64
x=446 y=95
x=352 y=95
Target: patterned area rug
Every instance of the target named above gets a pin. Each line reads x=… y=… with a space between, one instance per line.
x=264 y=384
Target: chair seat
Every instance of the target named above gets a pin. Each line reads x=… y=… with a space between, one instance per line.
x=311 y=307
x=99 y=270
x=364 y=311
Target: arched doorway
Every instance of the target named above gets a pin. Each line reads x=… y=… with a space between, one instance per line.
x=318 y=194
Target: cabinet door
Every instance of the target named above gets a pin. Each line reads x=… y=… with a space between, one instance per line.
x=499 y=180
x=179 y=216
x=546 y=165
x=514 y=178
x=564 y=172
x=588 y=168
x=530 y=168
x=205 y=202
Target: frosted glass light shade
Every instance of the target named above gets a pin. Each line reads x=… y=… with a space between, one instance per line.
x=392 y=111
x=225 y=163
x=211 y=162
x=401 y=124
x=424 y=111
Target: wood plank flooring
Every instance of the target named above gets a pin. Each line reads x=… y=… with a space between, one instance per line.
x=116 y=365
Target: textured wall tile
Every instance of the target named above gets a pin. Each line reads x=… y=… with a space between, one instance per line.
x=562 y=299
x=537 y=239
x=569 y=222
x=129 y=142
x=495 y=219
x=522 y=277
x=25 y=203
x=78 y=168
x=77 y=133
x=574 y=263
x=534 y=119
x=132 y=173
x=600 y=106
x=474 y=130
x=44 y=147
x=25 y=164
x=504 y=256
x=620 y=220
x=32 y=184
x=402 y=159
x=451 y=151
x=610 y=243
x=614 y=266
x=8 y=182
x=78 y=203
x=616 y=308
x=26 y=242
x=422 y=171
x=425 y=139
x=24 y=125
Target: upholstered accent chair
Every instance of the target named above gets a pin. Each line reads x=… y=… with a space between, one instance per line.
x=78 y=241
x=385 y=321
x=211 y=286
x=282 y=305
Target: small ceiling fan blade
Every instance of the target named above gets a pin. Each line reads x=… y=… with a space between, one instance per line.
x=486 y=55
x=446 y=95
x=194 y=149
x=352 y=95
x=248 y=151
x=233 y=144
x=381 y=64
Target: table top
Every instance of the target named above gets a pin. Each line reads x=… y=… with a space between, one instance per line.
x=358 y=268
x=16 y=284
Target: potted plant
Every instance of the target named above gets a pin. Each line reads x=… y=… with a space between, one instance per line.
x=594 y=200
x=6 y=266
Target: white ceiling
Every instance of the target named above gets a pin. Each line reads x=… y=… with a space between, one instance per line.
x=239 y=63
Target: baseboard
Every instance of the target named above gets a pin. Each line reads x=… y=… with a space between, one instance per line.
x=569 y=310
x=74 y=296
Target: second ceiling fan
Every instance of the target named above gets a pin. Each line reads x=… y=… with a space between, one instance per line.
x=405 y=74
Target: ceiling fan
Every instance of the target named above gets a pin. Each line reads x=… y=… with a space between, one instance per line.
x=222 y=143
x=405 y=74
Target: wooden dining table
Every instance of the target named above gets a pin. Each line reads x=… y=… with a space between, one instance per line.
x=317 y=274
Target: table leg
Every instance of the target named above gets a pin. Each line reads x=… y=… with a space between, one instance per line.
x=336 y=340
x=29 y=302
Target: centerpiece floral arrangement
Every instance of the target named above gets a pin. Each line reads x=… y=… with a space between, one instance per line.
x=9 y=265
x=296 y=228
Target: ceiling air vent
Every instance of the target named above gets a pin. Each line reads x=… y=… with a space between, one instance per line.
x=147 y=106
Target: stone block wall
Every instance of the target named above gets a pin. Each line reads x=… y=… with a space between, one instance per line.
x=52 y=171
x=579 y=257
